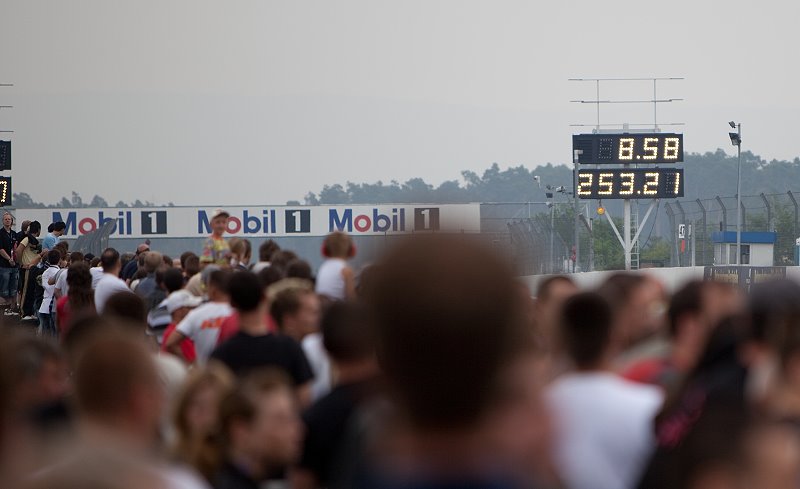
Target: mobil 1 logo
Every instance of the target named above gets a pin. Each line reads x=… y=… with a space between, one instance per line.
x=154 y=222
x=298 y=221
x=426 y=219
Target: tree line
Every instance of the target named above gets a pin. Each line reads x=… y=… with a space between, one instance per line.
x=710 y=173
x=24 y=200
x=706 y=175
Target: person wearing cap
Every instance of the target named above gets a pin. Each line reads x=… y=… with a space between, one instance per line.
x=178 y=304
x=202 y=324
x=216 y=250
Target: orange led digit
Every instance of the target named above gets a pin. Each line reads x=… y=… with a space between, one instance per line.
x=606 y=183
x=585 y=183
x=650 y=149
x=672 y=146
x=650 y=183
x=626 y=183
x=626 y=149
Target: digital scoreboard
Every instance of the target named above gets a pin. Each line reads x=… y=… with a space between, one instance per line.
x=5 y=191
x=630 y=183
x=5 y=155
x=620 y=149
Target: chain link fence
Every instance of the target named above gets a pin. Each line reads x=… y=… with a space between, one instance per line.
x=541 y=235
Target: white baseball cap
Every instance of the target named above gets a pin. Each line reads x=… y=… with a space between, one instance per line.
x=180 y=298
x=219 y=212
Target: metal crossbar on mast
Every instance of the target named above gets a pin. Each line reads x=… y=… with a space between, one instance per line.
x=3 y=85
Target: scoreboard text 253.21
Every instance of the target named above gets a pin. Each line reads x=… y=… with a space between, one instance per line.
x=630 y=183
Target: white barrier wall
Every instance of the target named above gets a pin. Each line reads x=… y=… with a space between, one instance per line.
x=672 y=278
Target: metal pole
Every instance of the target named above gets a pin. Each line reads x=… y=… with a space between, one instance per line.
x=655 y=106
x=681 y=255
x=626 y=231
x=589 y=225
x=552 y=234
x=724 y=213
x=796 y=214
x=591 y=245
x=673 y=235
x=739 y=198
x=598 y=103
x=705 y=230
x=575 y=156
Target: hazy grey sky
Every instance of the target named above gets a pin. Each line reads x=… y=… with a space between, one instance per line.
x=260 y=101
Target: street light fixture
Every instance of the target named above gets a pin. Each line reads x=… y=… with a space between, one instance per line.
x=736 y=140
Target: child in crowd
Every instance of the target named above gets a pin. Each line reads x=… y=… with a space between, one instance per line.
x=335 y=279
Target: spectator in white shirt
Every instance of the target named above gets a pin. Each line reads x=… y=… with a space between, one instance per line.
x=60 y=279
x=110 y=283
x=604 y=423
x=47 y=324
x=202 y=324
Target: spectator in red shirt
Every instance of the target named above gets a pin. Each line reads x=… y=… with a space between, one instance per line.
x=178 y=304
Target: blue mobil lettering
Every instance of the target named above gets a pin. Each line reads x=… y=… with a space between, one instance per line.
x=247 y=224
x=87 y=224
x=363 y=223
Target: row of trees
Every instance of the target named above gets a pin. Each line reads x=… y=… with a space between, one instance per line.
x=706 y=175
x=711 y=173
x=514 y=184
x=23 y=200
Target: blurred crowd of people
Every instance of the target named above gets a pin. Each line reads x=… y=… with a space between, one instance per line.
x=434 y=367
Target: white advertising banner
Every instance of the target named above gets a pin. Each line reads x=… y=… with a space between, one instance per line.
x=269 y=221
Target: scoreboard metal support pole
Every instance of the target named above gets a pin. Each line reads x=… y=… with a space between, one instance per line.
x=627 y=241
x=626 y=229
x=626 y=232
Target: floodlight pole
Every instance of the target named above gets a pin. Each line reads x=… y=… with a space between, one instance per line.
x=739 y=196
x=552 y=233
x=575 y=154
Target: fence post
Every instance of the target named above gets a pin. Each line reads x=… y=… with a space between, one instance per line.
x=724 y=213
x=744 y=216
x=769 y=211
x=796 y=212
x=672 y=235
x=682 y=254
x=705 y=230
